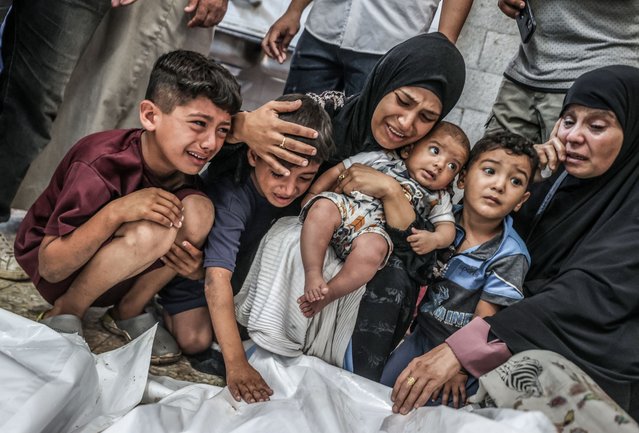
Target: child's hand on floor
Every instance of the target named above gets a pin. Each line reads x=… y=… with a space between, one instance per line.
x=245 y=383
x=422 y=241
x=186 y=260
x=151 y=204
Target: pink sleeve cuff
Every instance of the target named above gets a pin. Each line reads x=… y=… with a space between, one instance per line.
x=473 y=350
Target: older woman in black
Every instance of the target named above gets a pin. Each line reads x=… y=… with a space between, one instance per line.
x=582 y=230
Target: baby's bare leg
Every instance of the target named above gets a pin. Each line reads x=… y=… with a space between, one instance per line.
x=198 y=220
x=366 y=257
x=322 y=219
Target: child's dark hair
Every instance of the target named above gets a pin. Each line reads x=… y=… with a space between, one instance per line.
x=312 y=115
x=453 y=130
x=181 y=76
x=513 y=144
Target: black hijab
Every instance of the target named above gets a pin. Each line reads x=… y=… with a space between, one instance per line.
x=428 y=60
x=583 y=285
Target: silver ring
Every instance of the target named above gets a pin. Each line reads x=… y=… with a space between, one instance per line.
x=282 y=143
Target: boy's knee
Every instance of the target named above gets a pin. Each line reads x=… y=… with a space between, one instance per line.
x=193 y=341
x=146 y=238
x=199 y=214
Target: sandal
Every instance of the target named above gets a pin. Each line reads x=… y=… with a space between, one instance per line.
x=165 y=349
x=64 y=323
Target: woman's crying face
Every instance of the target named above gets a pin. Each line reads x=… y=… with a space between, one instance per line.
x=405 y=115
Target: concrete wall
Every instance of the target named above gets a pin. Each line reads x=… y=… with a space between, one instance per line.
x=488 y=41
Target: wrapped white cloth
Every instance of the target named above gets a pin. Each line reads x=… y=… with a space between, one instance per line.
x=267 y=303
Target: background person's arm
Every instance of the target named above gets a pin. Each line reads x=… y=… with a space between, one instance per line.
x=453 y=17
x=279 y=36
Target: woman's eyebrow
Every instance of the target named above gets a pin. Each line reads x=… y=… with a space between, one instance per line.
x=408 y=95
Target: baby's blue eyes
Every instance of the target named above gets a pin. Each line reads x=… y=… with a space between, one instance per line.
x=434 y=150
x=452 y=166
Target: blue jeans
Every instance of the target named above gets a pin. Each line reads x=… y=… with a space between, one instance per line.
x=416 y=344
x=41 y=44
x=317 y=66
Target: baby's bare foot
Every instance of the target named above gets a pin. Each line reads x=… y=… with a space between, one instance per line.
x=310 y=309
x=315 y=287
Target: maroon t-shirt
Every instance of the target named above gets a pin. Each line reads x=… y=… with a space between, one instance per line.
x=98 y=169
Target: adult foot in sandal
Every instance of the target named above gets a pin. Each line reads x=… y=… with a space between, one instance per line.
x=165 y=349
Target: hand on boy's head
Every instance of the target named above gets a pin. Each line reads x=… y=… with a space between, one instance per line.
x=150 y=204
x=551 y=153
x=266 y=134
x=185 y=259
x=206 y=13
x=245 y=383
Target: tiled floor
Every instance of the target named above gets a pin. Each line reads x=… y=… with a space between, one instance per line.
x=23 y=299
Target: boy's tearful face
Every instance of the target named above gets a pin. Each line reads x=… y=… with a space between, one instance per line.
x=495 y=184
x=186 y=138
x=279 y=190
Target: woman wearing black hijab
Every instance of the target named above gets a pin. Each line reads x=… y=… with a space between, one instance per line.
x=582 y=230
x=386 y=114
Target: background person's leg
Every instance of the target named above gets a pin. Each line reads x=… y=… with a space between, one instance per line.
x=314 y=67
x=548 y=106
x=357 y=67
x=41 y=44
x=513 y=112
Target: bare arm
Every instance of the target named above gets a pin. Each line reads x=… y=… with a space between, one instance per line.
x=326 y=182
x=398 y=210
x=279 y=36
x=244 y=381
x=453 y=17
x=60 y=256
x=485 y=309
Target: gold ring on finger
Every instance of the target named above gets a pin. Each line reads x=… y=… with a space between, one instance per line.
x=341 y=176
x=410 y=381
x=282 y=143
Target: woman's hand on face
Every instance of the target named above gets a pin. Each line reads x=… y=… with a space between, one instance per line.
x=368 y=181
x=264 y=132
x=424 y=377
x=551 y=154
x=245 y=383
